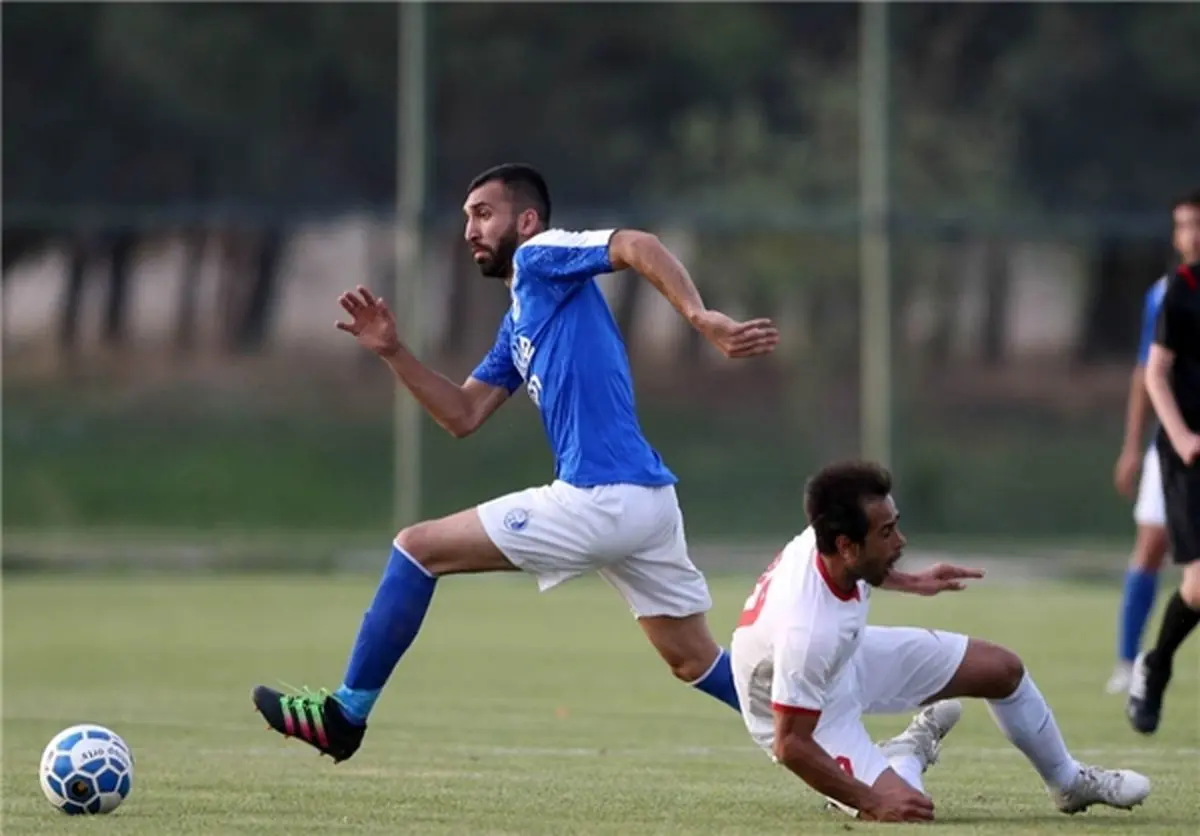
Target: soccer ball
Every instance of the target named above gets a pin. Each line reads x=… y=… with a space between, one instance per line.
x=86 y=770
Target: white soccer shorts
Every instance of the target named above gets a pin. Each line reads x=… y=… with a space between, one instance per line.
x=1150 y=508
x=895 y=671
x=631 y=535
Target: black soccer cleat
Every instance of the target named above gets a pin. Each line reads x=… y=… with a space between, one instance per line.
x=315 y=718
x=1147 y=684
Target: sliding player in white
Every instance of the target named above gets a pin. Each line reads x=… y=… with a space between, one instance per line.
x=807 y=667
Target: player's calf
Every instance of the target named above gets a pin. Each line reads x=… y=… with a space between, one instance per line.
x=694 y=657
x=1022 y=714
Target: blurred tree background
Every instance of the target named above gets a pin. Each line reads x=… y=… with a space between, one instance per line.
x=734 y=127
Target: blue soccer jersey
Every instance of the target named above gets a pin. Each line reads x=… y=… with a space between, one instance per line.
x=1150 y=308
x=559 y=338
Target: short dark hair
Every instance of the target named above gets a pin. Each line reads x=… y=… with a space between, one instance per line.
x=1189 y=199
x=524 y=182
x=834 y=499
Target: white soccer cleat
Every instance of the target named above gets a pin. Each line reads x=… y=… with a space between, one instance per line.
x=1118 y=682
x=1120 y=788
x=924 y=735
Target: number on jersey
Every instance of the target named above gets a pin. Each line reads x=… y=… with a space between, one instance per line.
x=758 y=597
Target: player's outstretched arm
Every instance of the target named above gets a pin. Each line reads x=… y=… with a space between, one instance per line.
x=646 y=254
x=460 y=410
x=796 y=749
x=941 y=577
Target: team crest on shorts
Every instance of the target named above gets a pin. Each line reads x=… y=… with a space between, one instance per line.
x=516 y=519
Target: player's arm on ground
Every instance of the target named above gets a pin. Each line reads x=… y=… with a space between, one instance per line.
x=1172 y=320
x=803 y=656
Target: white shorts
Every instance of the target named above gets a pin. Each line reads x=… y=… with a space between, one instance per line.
x=1150 y=508
x=631 y=535
x=895 y=670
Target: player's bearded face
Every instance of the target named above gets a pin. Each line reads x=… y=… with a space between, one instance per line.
x=493 y=250
x=882 y=547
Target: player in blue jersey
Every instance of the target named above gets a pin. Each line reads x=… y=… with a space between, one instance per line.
x=611 y=507
x=1149 y=515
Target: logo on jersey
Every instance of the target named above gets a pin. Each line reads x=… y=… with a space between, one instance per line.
x=523 y=350
x=534 y=388
x=512 y=292
x=516 y=519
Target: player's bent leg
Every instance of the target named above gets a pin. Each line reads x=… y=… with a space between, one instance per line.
x=1153 y=669
x=845 y=739
x=1139 y=591
x=670 y=598
x=688 y=648
x=454 y=545
x=996 y=674
x=334 y=724
x=918 y=747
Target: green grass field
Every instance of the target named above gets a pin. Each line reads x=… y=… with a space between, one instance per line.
x=517 y=714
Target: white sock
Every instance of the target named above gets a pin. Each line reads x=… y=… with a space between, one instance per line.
x=908 y=767
x=1028 y=723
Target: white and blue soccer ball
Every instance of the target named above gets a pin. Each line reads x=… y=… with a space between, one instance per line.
x=87 y=770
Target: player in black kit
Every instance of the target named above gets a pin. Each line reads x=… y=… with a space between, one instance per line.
x=1173 y=382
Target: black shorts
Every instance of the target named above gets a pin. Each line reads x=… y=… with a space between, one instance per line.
x=1181 y=496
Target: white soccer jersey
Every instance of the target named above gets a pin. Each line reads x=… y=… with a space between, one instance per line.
x=796 y=637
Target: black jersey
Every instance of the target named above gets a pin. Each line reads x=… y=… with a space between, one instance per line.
x=1178 y=330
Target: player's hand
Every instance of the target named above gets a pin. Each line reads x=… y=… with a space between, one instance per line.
x=898 y=803
x=944 y=577
x=735 y=339
x=1188 y=448
x=1125 y=472
x=372 y=324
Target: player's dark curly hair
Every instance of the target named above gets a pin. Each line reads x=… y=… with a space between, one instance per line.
x=1190 y=199
x=524 y=183
x=834 y=499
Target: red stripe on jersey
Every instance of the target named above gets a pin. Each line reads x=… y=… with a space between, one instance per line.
x=841 y=595
x=795 y=709
x=1188 y=276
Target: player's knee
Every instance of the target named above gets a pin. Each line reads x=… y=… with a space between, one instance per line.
x=1149 y=549
x=418 y=542
x=989 y=671
x=1007 y=670
x=689 y=669
x=1189 y=586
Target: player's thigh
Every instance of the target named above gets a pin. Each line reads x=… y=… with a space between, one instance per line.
x=456 y=544
x=846 y=741
x=556 y=532
x=1150 y=547
x=658 y=579
x=1150 y=509
x=898 y=669
x=1189 y=584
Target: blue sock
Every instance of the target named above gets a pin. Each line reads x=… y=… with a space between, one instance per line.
x=388 y=628
x=1136 y=604
x=718 y=682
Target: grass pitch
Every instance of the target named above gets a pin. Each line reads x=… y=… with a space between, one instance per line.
x=518 y=714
